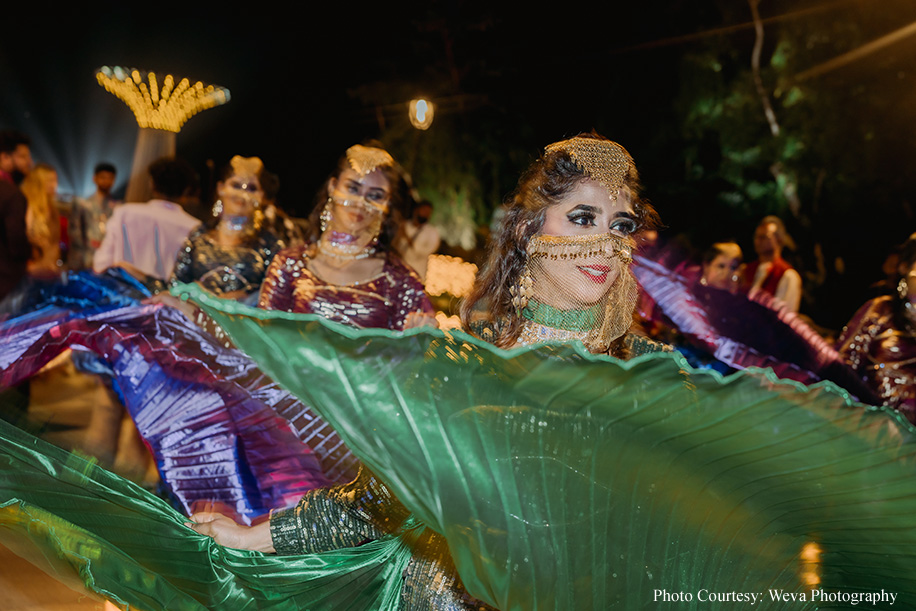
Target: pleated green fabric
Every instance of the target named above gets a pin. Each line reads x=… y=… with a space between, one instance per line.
x=98 y=532
x=562 y=480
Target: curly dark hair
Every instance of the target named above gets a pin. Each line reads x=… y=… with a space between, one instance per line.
x=172 y=177
x=399 y=206
x=545 y=183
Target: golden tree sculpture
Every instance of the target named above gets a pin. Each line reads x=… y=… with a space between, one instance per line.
x=161 y=108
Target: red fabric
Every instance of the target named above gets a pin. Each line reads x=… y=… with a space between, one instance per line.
x=771 y=282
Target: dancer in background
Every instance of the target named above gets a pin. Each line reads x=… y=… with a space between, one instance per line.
x=229 y=257
x=349 y=272
x=880 y=340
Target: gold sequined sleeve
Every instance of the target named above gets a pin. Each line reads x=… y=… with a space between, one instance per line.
x=637 y=345
x=342 y=516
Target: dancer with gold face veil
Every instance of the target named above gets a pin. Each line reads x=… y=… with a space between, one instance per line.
x=559 y=268
x=230 y=257
x=349 y=273
x=528 y=476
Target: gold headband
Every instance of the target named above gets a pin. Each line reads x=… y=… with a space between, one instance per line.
x=366 y=159
x=246 y=166
x=602 y=160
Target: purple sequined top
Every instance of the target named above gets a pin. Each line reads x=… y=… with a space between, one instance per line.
x=880 y=344
x=382 y=302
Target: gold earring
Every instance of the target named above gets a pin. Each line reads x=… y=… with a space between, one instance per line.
x=217 y=208
x=522 y=291
x=325 y=217
x=903 y=288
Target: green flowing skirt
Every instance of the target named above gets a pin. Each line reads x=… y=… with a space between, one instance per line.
x=559 y=479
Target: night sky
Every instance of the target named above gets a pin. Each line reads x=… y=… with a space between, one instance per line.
x=510 y=78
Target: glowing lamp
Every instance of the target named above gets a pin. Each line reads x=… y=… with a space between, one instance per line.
x=421 y=113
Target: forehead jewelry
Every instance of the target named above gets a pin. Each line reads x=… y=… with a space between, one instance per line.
x=366 y=159
x=246 y=166
x=602 y=160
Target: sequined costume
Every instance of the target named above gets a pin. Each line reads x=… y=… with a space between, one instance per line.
x=384 y=301
x=222 y=269
x=880 y=344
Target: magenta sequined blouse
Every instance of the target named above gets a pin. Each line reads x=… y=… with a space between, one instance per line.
x=382 y=302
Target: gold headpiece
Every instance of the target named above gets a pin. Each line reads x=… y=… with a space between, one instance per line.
x=246 y=166
x=603 y=160
x=366 y=159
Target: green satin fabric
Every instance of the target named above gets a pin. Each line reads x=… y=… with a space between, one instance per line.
x=98 y=532
x=562 y=480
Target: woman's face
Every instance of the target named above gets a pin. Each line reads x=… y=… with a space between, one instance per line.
x=587 y=210
x=721 y=271
x=358 y=205
x=240 y=194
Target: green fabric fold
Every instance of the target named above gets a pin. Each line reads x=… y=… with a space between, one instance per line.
x=569 y=481
x=561 y=480
x=100 y=533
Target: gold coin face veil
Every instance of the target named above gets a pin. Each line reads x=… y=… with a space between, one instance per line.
x=351 y=222
x=581 y=287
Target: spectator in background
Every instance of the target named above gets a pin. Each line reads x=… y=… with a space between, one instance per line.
x=90 y=217
x=722 y=266
x=43 y=221
x=770 y=273
x=145 y=238
x=15 y=250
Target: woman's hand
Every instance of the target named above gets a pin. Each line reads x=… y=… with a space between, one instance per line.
x=226 y=532
x=188 y=308
x=420 y=319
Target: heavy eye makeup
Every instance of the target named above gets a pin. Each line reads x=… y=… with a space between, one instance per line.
x=377 y=195
x=622 y=223
x=583 y=216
